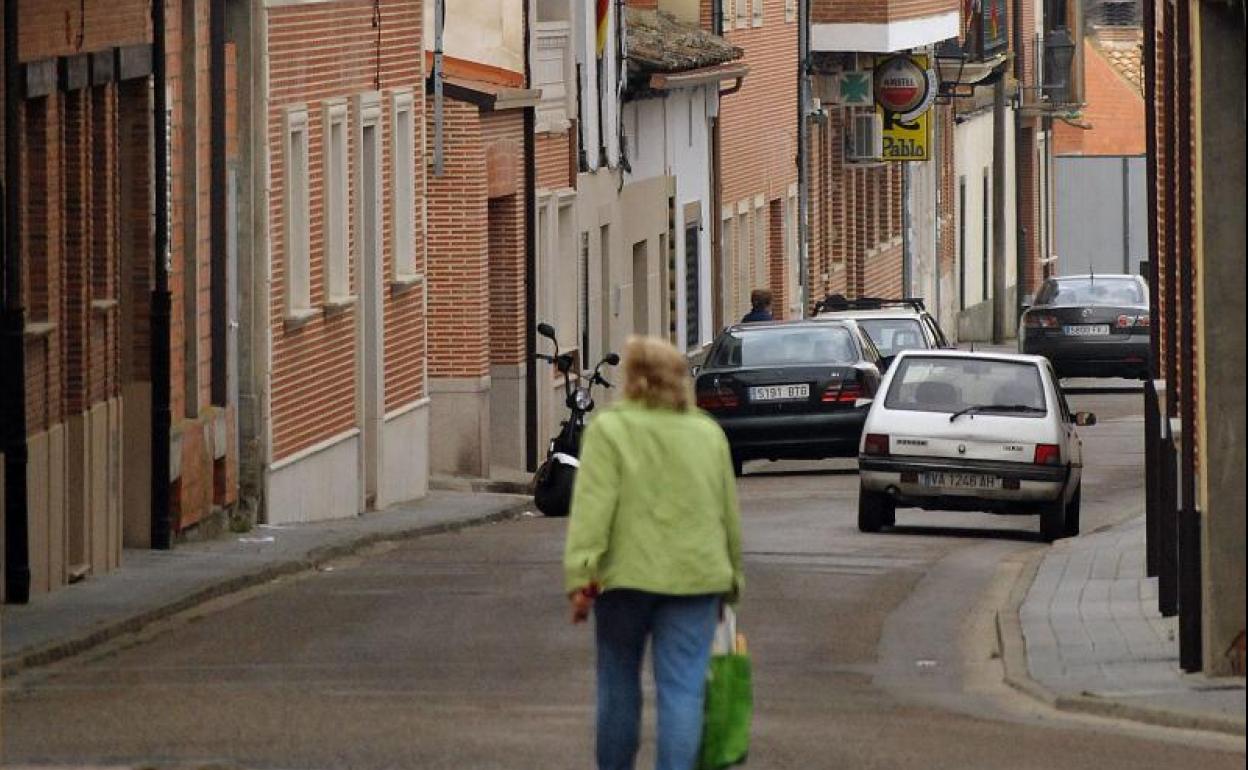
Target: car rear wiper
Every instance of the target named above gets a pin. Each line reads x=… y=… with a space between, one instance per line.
x=996 y=408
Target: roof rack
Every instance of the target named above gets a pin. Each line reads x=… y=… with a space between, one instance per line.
x=834 y=303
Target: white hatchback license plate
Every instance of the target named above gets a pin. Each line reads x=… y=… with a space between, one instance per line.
x=780 y=392
x=1086 y=330
x=943 y=480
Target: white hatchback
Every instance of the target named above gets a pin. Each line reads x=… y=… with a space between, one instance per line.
x=952 y=430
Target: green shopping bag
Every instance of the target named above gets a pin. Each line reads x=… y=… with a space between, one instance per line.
x=729 y=700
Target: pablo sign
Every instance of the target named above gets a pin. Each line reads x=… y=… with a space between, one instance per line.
x=905 y=87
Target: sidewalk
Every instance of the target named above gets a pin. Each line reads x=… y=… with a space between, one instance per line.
x=1094 y=641
x=151 y=585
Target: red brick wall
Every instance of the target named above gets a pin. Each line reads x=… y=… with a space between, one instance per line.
x=556 y=159
x=57 y=27
x=313 y=395
x=1115 y=111
x=458 y=248
x=758 y=123
x=503 y=135
x=876 y=11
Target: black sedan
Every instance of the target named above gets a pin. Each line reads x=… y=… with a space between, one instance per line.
x=790 y=390
x=1090 y=326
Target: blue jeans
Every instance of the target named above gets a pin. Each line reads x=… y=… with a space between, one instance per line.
x=681 y=629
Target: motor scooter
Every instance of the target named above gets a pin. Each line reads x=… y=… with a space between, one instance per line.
x=553 y=481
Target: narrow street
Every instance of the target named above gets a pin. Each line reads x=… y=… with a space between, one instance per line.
x=453 y=651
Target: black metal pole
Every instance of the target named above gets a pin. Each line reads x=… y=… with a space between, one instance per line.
x=217 y=215
x=12 y=341
x=1189 y=516
x=1167 y=577
x=161 y=305
x=1152 y=408
x=530 y=264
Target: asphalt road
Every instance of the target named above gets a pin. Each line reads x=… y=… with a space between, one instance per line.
x=871 y=651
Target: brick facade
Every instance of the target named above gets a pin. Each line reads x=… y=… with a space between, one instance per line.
x=758 y=145
x=314 y=361
x=1113 y=116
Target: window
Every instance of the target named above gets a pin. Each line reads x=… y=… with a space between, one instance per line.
x=337 y=214
x=404 y=188
x=762 y=273
x=786 y=346
x=297 y=214
x=743 y=13
x=758 y=13
x=726 y=14
x=953 y=384
x=790 y=11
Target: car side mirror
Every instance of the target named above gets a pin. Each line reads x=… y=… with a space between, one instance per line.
x=1085 y=419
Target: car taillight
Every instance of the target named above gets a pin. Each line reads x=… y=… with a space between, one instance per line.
x=843 y=393
x=1040 y=321
x=718 y=398
x=875 y=444
x=1048 y=454
x=1128 y=321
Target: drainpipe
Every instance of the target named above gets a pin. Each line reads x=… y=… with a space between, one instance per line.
x=12 y=340
x=803 y=175
x=530 y=261
x=218 y=291
x=439 y=22
x=161 y=303
x=998 y=209
x=1152 y=437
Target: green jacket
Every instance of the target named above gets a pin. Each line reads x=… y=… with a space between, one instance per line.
x=655 y=505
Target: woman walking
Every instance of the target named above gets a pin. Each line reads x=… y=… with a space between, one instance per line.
x=654 y=547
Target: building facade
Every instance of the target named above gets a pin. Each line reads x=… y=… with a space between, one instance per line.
x=119 y=422
x=332 y=263
x=1196 y=443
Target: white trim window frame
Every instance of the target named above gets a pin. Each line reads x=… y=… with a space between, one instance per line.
x=743 y=14
x=727 y=14
x=296 y=213
x=790 y=11
x=403 y=138
x=337 y=204
x=757 y=20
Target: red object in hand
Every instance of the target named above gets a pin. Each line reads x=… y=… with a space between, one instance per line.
x=582 y=600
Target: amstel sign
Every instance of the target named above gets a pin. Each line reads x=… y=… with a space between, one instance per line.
x=905 y=87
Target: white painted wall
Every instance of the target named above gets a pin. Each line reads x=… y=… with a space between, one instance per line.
x=672 y=137
x=484 y=31
x=972 y=160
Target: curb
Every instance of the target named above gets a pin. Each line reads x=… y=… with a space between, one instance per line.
x=1013 y=648
x=490 y=486
x=67 y=648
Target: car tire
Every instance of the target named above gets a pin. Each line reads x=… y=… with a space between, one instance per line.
x=1053 y=521
x=875 y=511
x=1070 y=527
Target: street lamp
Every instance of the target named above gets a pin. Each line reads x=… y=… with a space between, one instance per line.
x=1059 y=53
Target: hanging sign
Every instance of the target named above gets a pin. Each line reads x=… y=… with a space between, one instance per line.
x=853 y=89
x=905 y=87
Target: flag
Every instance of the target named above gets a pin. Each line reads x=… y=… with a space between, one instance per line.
x=600 y=17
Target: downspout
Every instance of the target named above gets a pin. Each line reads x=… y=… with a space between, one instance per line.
x=161 y=304
x=439 y=22
x=12 y=354
x=803 y=175
x=907 y=242
x=530 y=261
x=717 y=192
x=218 y=291
x=998 y=209
x=1021 y=230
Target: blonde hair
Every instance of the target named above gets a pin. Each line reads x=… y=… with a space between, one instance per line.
x=656 y=374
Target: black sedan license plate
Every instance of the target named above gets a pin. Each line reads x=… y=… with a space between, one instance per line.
x=780 y=392
x=947 y=480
